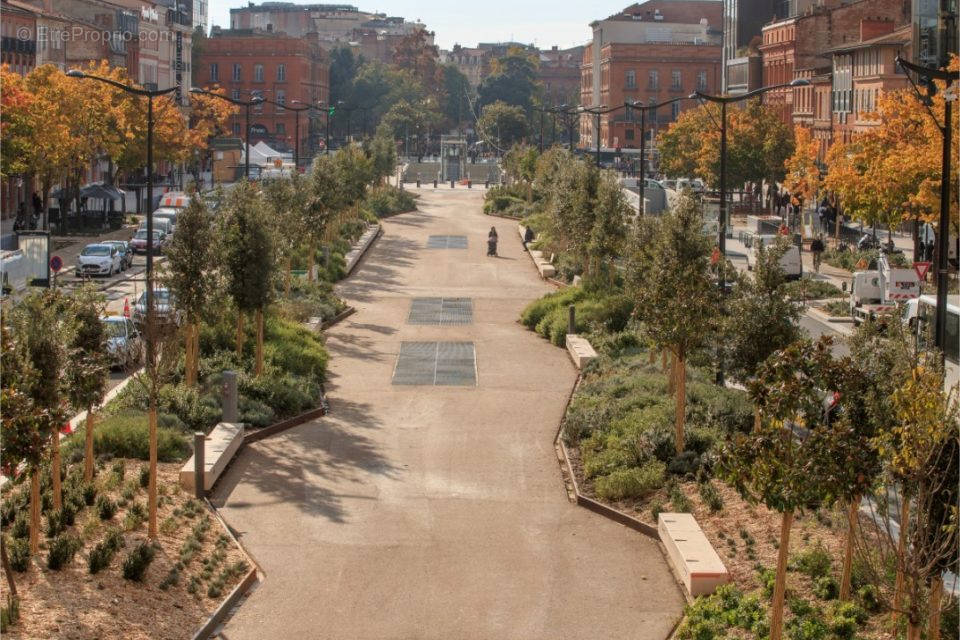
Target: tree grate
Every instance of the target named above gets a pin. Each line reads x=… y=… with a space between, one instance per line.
x=436 y=363
x=447 y=242
x=442 y=311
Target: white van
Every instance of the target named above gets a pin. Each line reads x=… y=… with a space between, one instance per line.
x=13 y=271
x=919 y=314
x=790 y=261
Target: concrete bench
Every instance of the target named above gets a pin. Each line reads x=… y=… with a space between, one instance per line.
x=691 y=554
x=546 y=269
x=353 y=256
x=536 y=254
x=580 y=350
x=219 y=447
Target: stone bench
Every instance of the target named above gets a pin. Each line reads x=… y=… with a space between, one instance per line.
x=219 y=447
x=353 y=256
x=546 y=269
x=580 y=350
x=691 y=554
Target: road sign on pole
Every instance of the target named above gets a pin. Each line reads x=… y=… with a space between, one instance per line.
x=921 y=268
x=56 y=263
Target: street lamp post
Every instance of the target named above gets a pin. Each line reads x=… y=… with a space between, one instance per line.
x=151 y=337
x=597 y=112
x=642 y=108
x=943 y=228
x=543 y=111
x=246 y=104
x=723 y=101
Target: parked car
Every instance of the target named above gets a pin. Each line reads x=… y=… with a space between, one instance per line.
x=99 y=259
x=139 y=241
x=164 y=308
x=124 y=343
x=126 y=253
x=168 y=214
x=159 y=224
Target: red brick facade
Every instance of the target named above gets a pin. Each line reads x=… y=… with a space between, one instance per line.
x=280 y=68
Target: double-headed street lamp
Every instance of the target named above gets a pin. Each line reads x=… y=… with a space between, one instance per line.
x=543 y=111
x=724 y=100
x=642 y=108
x=597 y=112
x=246 y=104
x=943 y=228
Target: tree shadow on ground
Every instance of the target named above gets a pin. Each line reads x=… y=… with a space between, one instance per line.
x=370 y=278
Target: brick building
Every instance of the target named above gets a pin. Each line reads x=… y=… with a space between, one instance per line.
x=277 y=66
x=559 y=73
x=650 y=52
x=473 y=62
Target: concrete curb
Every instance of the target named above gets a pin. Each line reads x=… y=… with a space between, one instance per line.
x=356 y=253
x=208 y=627
x=283 y=425
x=843 y=325
x=326 y=324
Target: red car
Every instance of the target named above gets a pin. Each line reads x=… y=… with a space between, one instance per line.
x=139 y=241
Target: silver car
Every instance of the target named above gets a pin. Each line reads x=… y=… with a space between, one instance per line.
x=124 y=343
x=99 y=260
x=164 y=308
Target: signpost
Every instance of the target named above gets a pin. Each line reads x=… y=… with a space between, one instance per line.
x=921 y=268
x=56 y=263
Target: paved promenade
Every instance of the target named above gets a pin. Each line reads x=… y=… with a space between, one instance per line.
x=421 y=511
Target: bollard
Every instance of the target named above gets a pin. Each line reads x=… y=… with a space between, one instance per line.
x=199 y=446
x=469 y=184
x=418 y=183
x=486 y=185
x=451 y=184
x=229 y=403
x=434 y=184
x=571 y=319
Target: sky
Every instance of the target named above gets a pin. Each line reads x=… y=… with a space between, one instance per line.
x=467 y=22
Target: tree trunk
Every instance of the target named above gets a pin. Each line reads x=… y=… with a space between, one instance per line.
x=653 y=356
x=258 y=365
x=152 y=486
x=191 y=354
x=311 y=250
x=663 y=360
x=898 y=588
x=681 y=393
x=852 y=509
x=6 y=566
x=672 y=376
x=756 y=417
x=35 y=511
x=286 y=288
x=55 y=469
x=933 y=620
x=88 y=447
x=779 y=587
x=239 y=334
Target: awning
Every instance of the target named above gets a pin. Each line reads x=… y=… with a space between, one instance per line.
x=101 y=191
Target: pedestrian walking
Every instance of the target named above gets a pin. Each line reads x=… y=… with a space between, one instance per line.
x=816 y=248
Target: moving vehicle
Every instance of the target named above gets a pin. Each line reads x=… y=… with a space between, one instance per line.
x=878 y=291
x=99 y=259
x=790 y=261
x=124 y=343
x=126 y=253
x=919 y=313
x=164 y=309
x=139 y=242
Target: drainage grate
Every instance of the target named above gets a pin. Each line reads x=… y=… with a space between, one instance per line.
x=447 y=242
x=442 y=311
x=436 y=363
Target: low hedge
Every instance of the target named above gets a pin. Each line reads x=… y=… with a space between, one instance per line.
x=595 y=313
x=126 y=435
x=388 y=200
x=809 y=289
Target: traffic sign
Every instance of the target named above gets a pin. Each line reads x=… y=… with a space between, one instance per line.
x=921 y=268
x=56 y=263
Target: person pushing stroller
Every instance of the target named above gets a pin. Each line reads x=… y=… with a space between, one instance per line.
x=492 y=242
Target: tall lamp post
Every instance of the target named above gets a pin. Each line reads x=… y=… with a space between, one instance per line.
x=542 y=111
x=246 y=104
x=596 y=112
x=943 y=228
x=723 y=101
x=642 y=108
x=151 y=338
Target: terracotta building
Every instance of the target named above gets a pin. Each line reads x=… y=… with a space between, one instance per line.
x=650 y=52
x=279 y=67
x=559 y=73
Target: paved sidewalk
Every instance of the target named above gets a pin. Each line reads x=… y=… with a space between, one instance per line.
x=437 y=512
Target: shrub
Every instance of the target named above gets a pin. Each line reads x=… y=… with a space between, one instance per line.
x=136 y=563
x=814 y=562
x=104 y=551
x=144 y=476
x=388 y=200
x=19 y=554
x=656 y=508
x=21 y=527
x=807 y=628
x=62 y=550
x=710 y=496
x=126 y=435
x=118 y=468
x=679 y=502
x=687 y=463
x=767 y=578
x=172 y=578
x=869 y=597
x=294 y=349
x=826 y=588
x=106 y=507
x=809 y=289
x=9 y=613
x=636 y=482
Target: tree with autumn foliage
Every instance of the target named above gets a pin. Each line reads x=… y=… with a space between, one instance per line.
x=802 y=177
x=16 y=124
x=758 y=144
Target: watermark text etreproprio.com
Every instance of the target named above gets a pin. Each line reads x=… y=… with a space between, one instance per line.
x=87 y=34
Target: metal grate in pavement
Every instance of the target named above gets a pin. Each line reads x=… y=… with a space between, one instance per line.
x=442 y=311
x=436 y=363
x=447 y=242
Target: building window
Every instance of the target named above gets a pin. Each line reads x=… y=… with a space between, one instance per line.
x=701 y=80
x=281 y=128
x=214 y=72
x=653 y=79
x=236 y=128
x=674 y=110
x=236 y=94
x=237 y=71
x=631 y=81
x=281 y=100
x=628 y=134
x=281 y=73
x=676 y=79
x=258 y=73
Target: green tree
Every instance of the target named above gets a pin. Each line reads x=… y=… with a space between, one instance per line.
x=89 y=367
x=190 y=275
x=344 y=66
x=326 y=198
x=675 y=298
x=512 y=80
x=248 y=260
x=382 y=151
x=457 y=94
x=502 y=124
x=287 y=202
